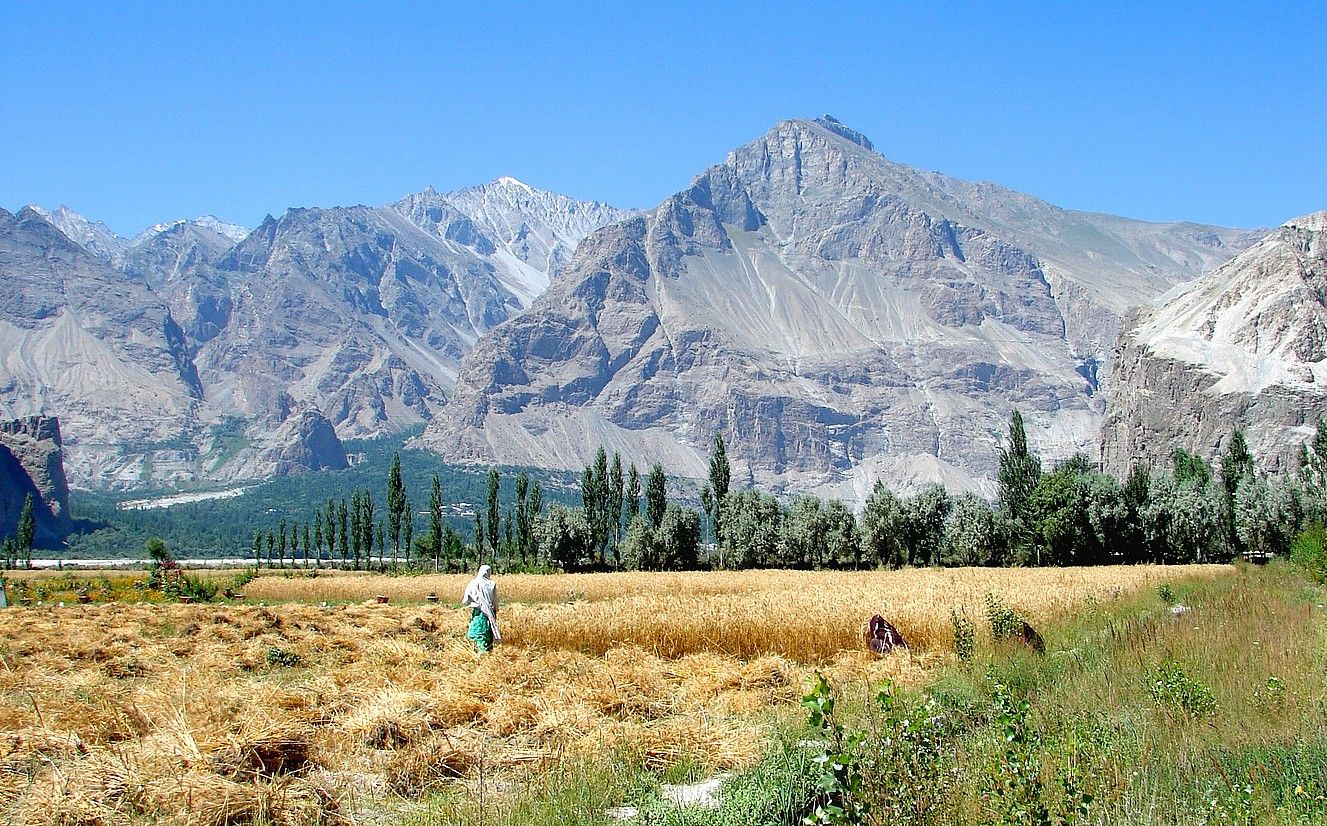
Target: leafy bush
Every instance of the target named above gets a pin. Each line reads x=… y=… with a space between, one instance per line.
x=965 y=636
x=1173 y=688
x=1005 y=621
x=1309 y=551
x=196 y=588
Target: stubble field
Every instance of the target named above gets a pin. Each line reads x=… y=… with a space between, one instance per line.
x=295 y=711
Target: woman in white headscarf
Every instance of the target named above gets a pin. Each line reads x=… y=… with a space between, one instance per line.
x=481 y=597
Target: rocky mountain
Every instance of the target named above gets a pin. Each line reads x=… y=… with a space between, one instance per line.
x=839 y=317
x=100 y=348
x=31 y=464
x=531 y=233
x=93 y=236
x=1245 y=346
x=360 y=314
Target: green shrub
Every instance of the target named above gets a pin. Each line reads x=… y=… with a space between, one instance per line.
x=1005 y=621
x=965 y=636
x=1309 y=551
x=1173 y=688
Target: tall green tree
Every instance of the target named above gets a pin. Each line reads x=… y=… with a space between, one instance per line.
x=971 y=533
x=1236 y=469
x=281 y=545
x=366 y=525
x=721 y=476
x=656 y=495
x=257 y=549
x=407 y=528
x=565 y=538
x=522 y=515
x=633 y=493
x=395 y=505
x=883 y=529
x=27 y=529
x=601 y=521
x=330 y=517
x=535 y=510
x=318 y=538
x=435 y=522
x=616 y=494
x=479 y=537
x=343 y=531
x=494 y=481
x=308 y=548
x=356 y=528
x=1019 y=471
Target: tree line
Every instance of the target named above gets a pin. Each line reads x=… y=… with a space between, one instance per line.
x=1070 y=514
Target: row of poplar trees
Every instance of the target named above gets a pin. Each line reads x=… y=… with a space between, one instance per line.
x=1070 y=514
x=347 y=533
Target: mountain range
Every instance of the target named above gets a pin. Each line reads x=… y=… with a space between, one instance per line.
x=184 y=355
x=838 y=317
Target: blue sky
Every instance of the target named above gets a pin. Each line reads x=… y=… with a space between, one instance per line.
x=137 y=113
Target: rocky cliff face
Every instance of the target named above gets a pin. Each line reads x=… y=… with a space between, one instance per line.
x=32 y=463
x=186 y=352
x=837 y=316
x=1243 y=347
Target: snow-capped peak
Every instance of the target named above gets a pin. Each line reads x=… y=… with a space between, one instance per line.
x=93 y=236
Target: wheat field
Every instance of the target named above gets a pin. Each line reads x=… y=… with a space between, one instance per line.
x=300 y=712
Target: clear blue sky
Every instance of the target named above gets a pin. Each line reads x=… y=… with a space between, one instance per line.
x=133 y=114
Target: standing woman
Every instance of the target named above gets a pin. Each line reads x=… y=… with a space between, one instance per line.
x=481 y=597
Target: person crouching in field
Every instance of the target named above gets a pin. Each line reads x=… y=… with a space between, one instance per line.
x=481 y=597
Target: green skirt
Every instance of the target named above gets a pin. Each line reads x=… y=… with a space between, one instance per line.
x=480 y=631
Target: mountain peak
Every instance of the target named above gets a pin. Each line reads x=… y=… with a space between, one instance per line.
x=1313 y=222
x=837 y=126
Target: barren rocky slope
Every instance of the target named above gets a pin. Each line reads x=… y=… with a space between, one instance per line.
x=1243 y=347
x=837 y=316
x=32 y=464
x=185 y=355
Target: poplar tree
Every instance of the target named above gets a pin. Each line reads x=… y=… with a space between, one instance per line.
x=633 y=493
x=257 y=549
x=721 y=476
x=395 y=505
x=656 y=495
x=407 y=529
x=616 y=492
x=27 y=530
x=1020 y=469
x=535 y=509
x=493 y=518
x=366 y=526
x=356 y=527
x=522 y=515
x=435 y=520
x=307 y=546
x=330 y=517
x=318 y=538
x=343 y=515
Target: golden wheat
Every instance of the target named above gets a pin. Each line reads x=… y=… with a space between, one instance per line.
x=113 y=713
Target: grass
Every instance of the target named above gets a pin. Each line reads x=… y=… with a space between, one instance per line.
x=296 y=713
x=1135 y=715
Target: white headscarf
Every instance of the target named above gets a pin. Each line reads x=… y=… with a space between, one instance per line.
x=481 y=593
